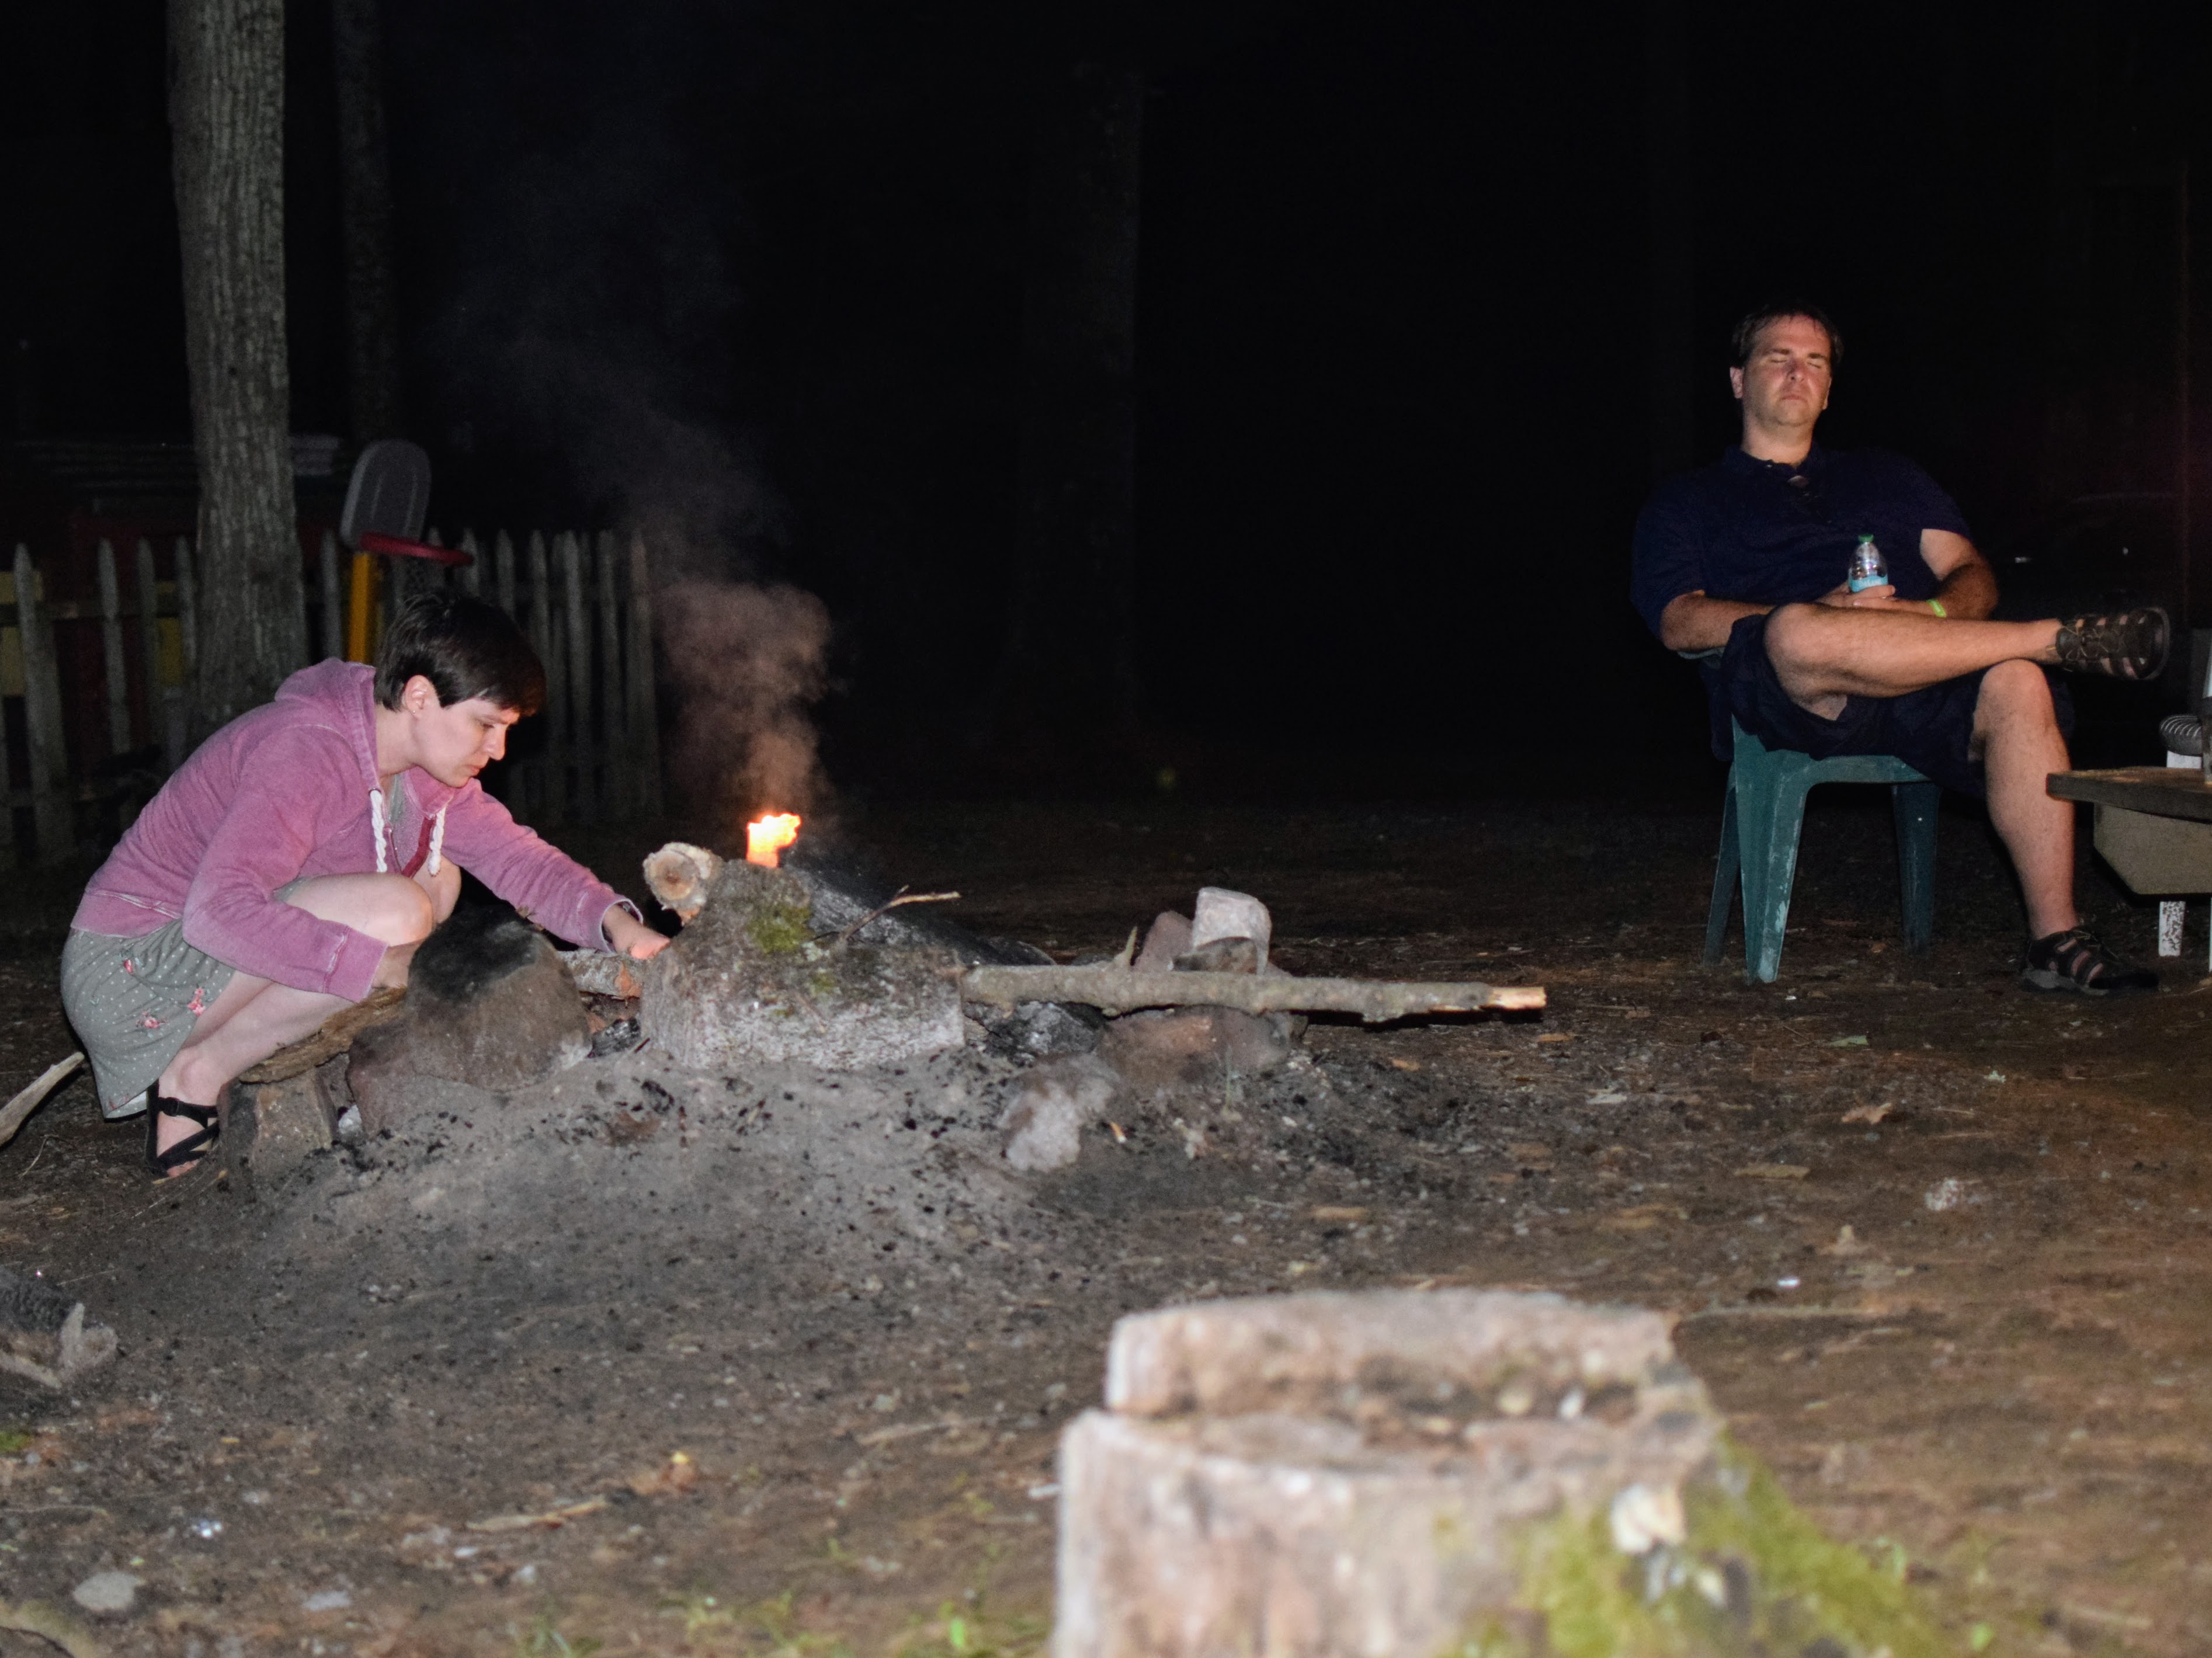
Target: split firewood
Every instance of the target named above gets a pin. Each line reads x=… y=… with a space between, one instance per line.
x=1114 y=987
x=604 y=973
x=679 y=875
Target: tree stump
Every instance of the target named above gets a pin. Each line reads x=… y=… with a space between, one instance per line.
x=1411 y=1475
x=749 y=981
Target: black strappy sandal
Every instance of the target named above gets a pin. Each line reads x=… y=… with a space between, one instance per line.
x=2123 y=644
x=169 y=1163
x=2074 y=961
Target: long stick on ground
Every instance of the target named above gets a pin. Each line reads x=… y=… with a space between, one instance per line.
x=1115 y=989
x=12 y=1114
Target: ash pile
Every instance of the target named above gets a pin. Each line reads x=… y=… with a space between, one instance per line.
x=819 y=1089
x=812 y=964
x=810 y=970
x=802 y=1055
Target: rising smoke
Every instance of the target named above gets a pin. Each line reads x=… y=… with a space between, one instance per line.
x=748 y=663
x=593 y=352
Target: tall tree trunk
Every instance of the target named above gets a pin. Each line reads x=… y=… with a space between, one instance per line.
x=1069 y=671
x=365 y=201
x=2077 y=323
x=226 y=118
x=1671 y=360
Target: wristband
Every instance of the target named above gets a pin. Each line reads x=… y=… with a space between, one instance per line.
x=1936 y=605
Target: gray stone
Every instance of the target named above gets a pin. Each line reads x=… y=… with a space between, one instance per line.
x=271 y=1128
x=1223 y=913
x=750 y=982
x=1045 y=1123
x=1037 y=1030
x=1170 y=1048
x=107 y=1591
x=1170 y=937
x=1221 y=956
x=489 y=1004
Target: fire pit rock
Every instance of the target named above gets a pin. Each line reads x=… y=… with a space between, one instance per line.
x=1057 y=1099
x=750 y=980
x=488 y=1004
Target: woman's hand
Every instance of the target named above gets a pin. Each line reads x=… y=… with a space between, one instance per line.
x=631 y=936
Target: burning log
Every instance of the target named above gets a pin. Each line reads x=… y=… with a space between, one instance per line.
x=1115 y=987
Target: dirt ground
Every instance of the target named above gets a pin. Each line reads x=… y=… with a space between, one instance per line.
x=556 y=1373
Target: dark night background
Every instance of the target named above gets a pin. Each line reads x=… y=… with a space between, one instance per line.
x=1427 y=293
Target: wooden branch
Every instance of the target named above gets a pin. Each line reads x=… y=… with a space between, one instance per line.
x=34 y=1618
x=333 y=1037
x=1112 y=988
x=604 y=973
x=12 y=1114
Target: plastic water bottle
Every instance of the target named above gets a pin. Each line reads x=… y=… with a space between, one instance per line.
x=1869 y=568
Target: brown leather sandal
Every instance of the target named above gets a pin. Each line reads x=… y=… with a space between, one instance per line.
x=2123 y=644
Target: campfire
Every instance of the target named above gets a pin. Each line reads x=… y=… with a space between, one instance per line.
x=767 y=836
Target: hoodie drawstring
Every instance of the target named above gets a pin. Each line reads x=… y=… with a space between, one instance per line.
x=376 y=828
x=379 y=833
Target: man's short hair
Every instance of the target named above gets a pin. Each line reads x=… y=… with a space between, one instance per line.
x=1745 y=340
x=465 y=648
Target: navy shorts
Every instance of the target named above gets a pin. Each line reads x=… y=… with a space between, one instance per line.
x=1930 y=730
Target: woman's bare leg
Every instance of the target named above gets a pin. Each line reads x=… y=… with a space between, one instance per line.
x=253 y=1017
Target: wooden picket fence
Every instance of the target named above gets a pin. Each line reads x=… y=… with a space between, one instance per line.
x=584 y=601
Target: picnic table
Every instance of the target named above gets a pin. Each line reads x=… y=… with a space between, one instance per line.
x=2154 y=828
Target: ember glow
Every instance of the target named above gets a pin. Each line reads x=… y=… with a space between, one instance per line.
x=767 y=836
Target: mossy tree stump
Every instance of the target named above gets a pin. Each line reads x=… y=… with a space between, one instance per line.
x=1407 y=1475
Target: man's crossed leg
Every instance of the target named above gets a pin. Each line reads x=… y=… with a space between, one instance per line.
x=1823 y=654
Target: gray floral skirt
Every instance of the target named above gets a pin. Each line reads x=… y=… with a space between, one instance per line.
x=134 y=1003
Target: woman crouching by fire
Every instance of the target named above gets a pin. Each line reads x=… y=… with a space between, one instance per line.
x=294 y=863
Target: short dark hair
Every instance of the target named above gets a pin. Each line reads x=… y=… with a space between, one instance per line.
x=1745 y=340
x=465 y=648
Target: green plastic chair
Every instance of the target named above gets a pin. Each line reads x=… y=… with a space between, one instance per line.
x=1760 y=828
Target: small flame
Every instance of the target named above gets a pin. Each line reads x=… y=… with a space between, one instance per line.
x=767 y=836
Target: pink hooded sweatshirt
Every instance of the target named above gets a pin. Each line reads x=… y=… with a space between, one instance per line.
x=290 y=790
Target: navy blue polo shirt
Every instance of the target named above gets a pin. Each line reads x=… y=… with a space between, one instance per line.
x=1762 y=532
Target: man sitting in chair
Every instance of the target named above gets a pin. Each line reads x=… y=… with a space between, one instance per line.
x=1745 y=564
